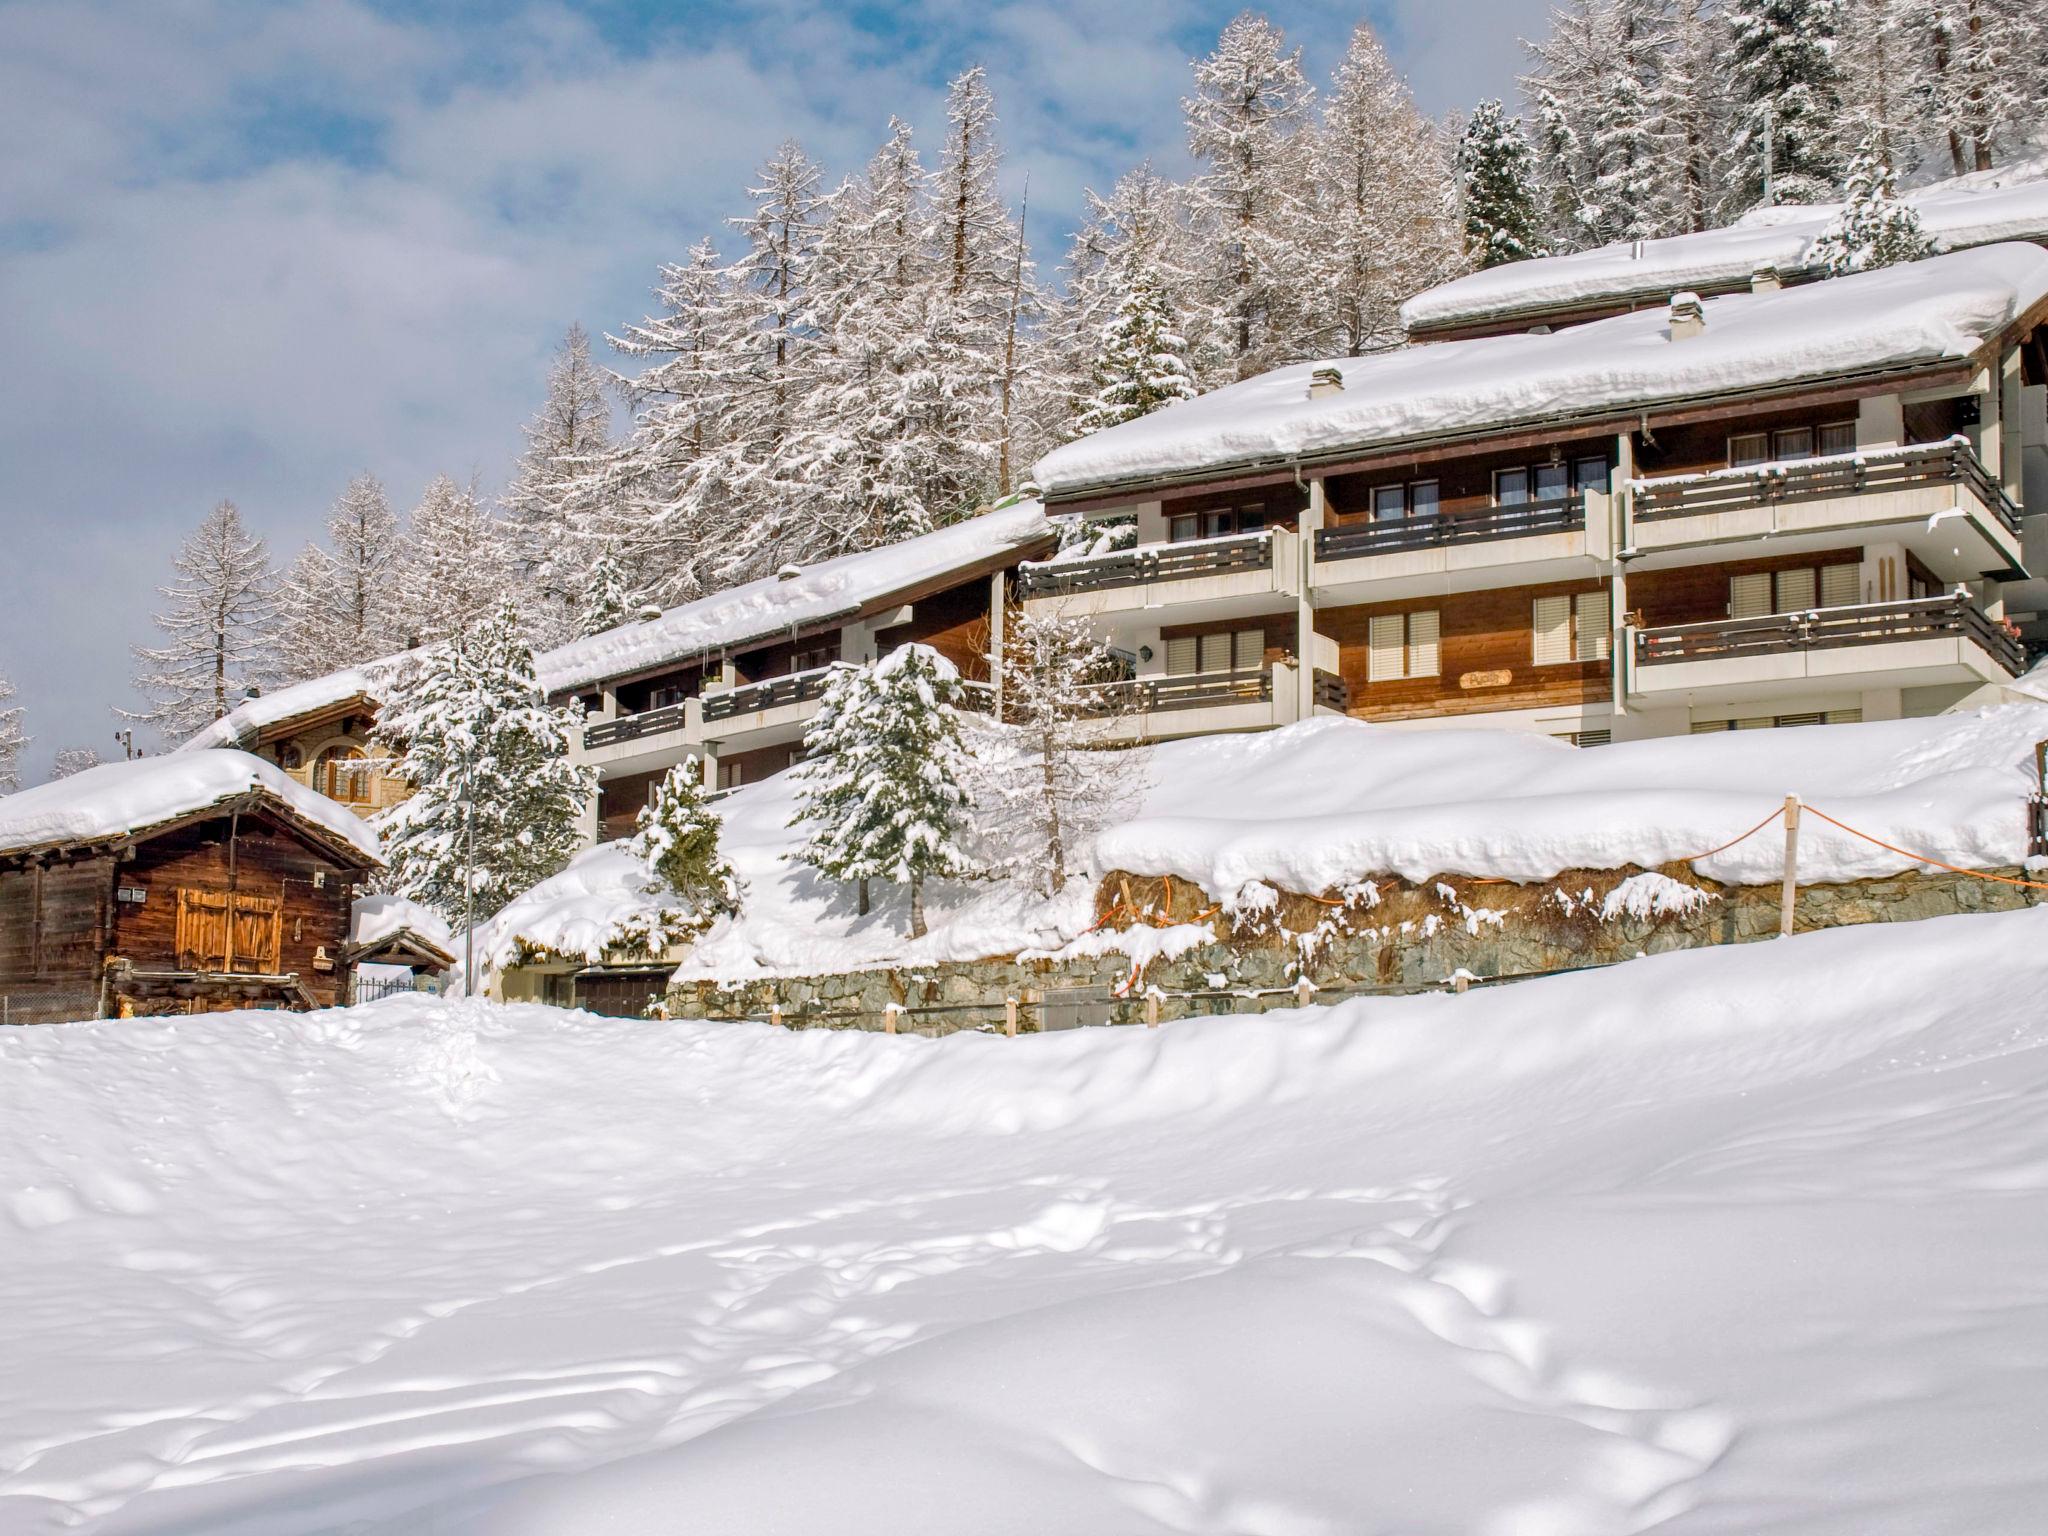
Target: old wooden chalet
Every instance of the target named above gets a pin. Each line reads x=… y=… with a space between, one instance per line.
x=175 y=884
x=319 y=733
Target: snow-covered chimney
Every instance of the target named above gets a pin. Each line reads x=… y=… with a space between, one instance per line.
x=1764 y=280
x=1325 y=381
x=1687 y=318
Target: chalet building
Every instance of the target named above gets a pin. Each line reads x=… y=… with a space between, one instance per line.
x=175 y=884
x=318 y=732
x=733 y=678
x=1790 y=504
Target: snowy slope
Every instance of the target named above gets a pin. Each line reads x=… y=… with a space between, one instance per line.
x=1944 y=307
x=1739 y=1241
x=1315 y=805
x=1972 y=211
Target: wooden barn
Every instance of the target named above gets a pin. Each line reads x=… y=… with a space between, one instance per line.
x=178 y=884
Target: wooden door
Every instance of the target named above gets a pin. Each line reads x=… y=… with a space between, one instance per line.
x=203 y=932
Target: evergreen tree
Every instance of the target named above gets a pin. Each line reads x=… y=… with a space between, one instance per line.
x=1873 y=228
x=549 y=508
x=881 y=783
x=72 y=760
x=217 y=628
x=1498 y=172
x=1142 y=363
x=1979 y=75
x=677 y=839
x=340 y=606
x=13 y=740
x=1782 y=61
x=497 y=801
x=606 y=601
x=1698 y=113
x=456 y=565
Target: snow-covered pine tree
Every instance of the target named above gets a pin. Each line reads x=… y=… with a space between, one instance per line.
x=496 y=801
x=677 y=839
x=1498 y=171
x=457 y=568
x=70 y=760
x=1980 y=75
x=1247 y=128
x=549 y=509
x=13 y=740
x=1873 y=228
x=1698 y=112
x=1142 y=362
x=1601 y=97
x=1054 y=778
x=1385 y=215
x=606 y=600
x=1782 y=62
x=340 y=606
x=217 y=626
x=881 y=785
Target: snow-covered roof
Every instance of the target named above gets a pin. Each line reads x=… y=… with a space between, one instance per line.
x=818 y=594
x=246 y=722
x=1956 y=216
x=1874 y=323
x=380 y=918
x=121 y=800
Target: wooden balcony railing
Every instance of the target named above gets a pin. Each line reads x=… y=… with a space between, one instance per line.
x=1141 y=567
x=1827 y=628
x=1794 y=480
x=1185 y=690
x=1352 y=541
x=1331 y=691
x=755 y=697
x=649 y=722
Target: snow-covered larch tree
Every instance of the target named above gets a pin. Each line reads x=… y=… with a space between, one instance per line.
x=218 y=626
x=1782 y=60
x=496 y=801
x=13 y=740
x=457 y=568
x=72 y=760
x=549 y=506
x=340 y=606
x=1498 y=173
x=1873 y=227
x=1142 y=360
x=882 y=784
x=677 y=839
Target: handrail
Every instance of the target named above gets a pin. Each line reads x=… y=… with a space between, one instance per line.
x=1184 y=690
x=1146 y=564
x=648 y=722
x=1795 y=480
x=1828 y=628
x=1350 y=541
x=751 y=698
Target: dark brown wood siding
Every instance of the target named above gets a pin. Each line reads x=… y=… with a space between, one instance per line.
x=53 y=924
x=1699 y=593
x=620 y=801
x=953 y=622
x=1464 y=485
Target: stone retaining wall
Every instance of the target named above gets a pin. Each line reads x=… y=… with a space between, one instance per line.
x=1385 y=936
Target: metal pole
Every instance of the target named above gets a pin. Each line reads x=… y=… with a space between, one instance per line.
x=468 y=894
x=1770 y=155
x=1788 y=897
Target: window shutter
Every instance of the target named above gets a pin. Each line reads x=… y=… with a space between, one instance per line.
x=1711 y=727
x=1215 y=653
x=1840 y=585
x=1423 y=627
x=1385 y=648
x=1248 y=650
x=1182 y=655
x=1594 y=639
x=1797 y=590
x=1755 y=723
x=1845 y=717
x=1553 y=630
x=1749 y=597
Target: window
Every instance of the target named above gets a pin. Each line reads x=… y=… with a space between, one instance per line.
x=1755 y=594
x=1399 y=645
x=1746 y=449
x=1767 y=722
x=811 y=659
x=1601 y=738
x=1590 y=473
x=1510 y=487
x=1216 y=522
x=1392 y=503
x=1569 y=629
x=1224 y=650
x=1750 y=448
x=1551 y=481
x=1838 y=437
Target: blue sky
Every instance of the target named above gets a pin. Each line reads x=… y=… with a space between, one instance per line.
x=248 y=250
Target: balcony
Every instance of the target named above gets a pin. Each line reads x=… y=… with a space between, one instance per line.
x=1519 y=545
x=649 y=722
x=1222 y=577
x=758 y=698
x=1923 y=643
x=1191 y=690
x=1936 y=499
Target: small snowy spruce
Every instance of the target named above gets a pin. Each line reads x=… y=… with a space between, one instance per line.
x=1142 y=363
x=1873 y=229
x=677 y=839
x=881 y=786
x=606 y=600
x=217 y=628
x=488 y=758
x=1498 y=171
x=13 y=740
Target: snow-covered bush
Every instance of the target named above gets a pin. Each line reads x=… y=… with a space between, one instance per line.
x=1873 y=229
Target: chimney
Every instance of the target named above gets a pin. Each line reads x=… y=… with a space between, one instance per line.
x=1325 y=381
x=1687 y=318
x=1764 y=280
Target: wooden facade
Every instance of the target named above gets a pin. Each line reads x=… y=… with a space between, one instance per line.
x=244 y=905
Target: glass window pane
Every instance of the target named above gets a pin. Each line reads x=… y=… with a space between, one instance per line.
x=1838 y=437
x=1217 y=524
x=1795 y=443
x=1550 y=482
x=1184 y=527
x=1422 y=499
x=1252 y=518
x=1749 y=448
x=1590 y=474
x=1388 y=503
x=1510 y=487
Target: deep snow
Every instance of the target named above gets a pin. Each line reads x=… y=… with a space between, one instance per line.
x=1734 y=1241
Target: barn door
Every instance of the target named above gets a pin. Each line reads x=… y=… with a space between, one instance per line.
x=203 y=932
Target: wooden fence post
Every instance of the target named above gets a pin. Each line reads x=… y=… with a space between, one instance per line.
x=1151 y=1010
x=1304 y=989
x=775 y=1014
x=889 y=1012
x=1460 y=980
x=1788 y=897
x=1010 y=1017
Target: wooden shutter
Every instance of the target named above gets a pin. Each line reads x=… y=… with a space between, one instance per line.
x=202 y=938
x=202 y=932
x=1424 y=625
x=1182 y=655
x=1385 y=648
x=1797 y=590
x=1840 y=585
x=1553 y=630
x=1248 y=650
x=259 y=933
x=1595 y=640
x=1749 y=597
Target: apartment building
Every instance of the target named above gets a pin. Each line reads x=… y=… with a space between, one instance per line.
x=1781 y=505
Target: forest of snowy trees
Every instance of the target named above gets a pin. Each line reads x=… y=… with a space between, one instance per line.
x=856 y=360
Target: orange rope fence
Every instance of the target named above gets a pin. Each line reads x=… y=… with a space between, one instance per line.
x=1954 y=869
